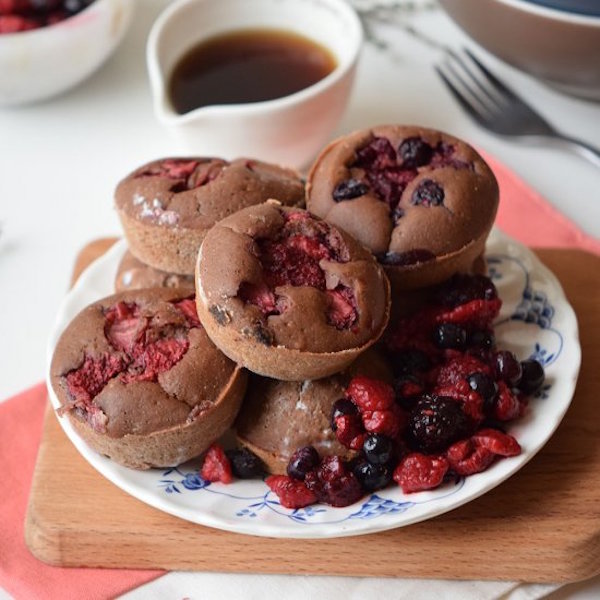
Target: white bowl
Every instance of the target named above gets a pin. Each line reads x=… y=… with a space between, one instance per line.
x=43 y=62
x=288 y=130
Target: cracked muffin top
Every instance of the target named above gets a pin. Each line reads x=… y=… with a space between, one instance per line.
x=138 y=362
x=195 y=193
x=409 y=194
x=284 y=278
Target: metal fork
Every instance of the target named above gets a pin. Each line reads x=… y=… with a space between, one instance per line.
x=496 y=107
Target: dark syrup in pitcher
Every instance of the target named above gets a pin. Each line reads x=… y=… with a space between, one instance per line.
x=247 y=66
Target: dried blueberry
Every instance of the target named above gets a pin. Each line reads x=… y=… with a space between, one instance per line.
x=450 y=335
x=341 y=407
x=415 y=152
x=428 y=193
x=245 y=464
x=532 y=376
x=349 y=189
x=507 y=367
x=302 y=461
x=378 y=449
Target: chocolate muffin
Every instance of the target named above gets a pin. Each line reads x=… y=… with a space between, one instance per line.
x=422 y=201
x=133 y=274
x=287 y=295
x=279 y=417
x=141 y=382
x=168 y=205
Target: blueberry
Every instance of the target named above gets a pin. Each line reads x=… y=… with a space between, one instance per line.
x=481 y=338
x=378 y=449
x=507 y=367
x=75 y=6
x=405 y=259
x=341 y=407
x=462 y=288
x=409 y=362
x=372 y=477
x=428 y=193
x=349 y=189
x=532 y=376
x=302 y=461
x=415 y=152
x=245 y=464
x=450 y=335
x=486 y=387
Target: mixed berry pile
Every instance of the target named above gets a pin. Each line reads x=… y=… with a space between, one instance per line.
x=443 y=417
x=24 y=15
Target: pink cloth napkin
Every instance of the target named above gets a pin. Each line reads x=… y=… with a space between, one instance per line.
x=523 y=214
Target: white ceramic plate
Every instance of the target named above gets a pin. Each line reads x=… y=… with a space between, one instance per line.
x=536 y=320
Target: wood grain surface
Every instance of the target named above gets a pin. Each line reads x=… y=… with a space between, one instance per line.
x=543 y=524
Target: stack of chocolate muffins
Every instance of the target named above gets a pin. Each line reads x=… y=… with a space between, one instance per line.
x=228 y=275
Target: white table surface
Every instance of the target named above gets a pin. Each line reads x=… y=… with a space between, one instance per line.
x=60 y=161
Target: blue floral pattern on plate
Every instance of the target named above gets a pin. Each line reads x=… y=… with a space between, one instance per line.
x=535 y=321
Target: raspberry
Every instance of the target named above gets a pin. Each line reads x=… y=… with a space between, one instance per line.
x=507 y=406
x=476 y=313
x=188 y=307
x=370 y=394
x=467 y=458
x=385 y=422
x=216 y=465
x=343 y=312
x=349 y=431
x=377 y=154
x=292 y=493
x=497 y=442
x=458 y=369
x=417 y=472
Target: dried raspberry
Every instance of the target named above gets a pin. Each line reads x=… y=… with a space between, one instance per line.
x=507 y=406
x=216 y=465
x=458 y=369
x=387 y=422
x=417 y=472
x=188 y=308
x=292 y=493
x=349 y=431
x=370 y=394
x=478 y=314
x=333 y=484
x=497 y=442
x=467 y=458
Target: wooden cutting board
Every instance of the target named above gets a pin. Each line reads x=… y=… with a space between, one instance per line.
x=543 y=524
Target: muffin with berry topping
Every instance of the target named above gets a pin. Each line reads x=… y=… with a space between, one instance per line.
x=133 y=274
x=278 y=418
x=422 y=201
x=287 y=295
x=140 y=380
x=167 y=206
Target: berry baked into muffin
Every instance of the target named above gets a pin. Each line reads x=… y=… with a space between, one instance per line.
x=133 y=274
x=422 y=201
x=278 y=418
x=168 y=205
x=141 y=382
x=287 y=295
